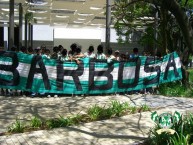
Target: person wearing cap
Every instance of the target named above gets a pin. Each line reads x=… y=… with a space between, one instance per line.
x=90 y=53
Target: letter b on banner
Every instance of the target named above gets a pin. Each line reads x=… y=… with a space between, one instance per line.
x=106 y=73
x=10 y=68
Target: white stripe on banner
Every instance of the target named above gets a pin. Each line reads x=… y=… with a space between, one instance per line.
x=5 y=62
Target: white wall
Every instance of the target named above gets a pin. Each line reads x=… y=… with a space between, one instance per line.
x=65 y=36
x=113 y=35
x=82 y=36
x=45 y=33
x=40 y=32
x=83 y=33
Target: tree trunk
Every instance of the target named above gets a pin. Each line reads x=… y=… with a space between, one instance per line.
x=163 y=30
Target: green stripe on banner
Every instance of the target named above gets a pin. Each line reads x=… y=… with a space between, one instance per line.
x=39 y=74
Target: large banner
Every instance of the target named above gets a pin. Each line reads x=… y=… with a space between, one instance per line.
x=40 y=74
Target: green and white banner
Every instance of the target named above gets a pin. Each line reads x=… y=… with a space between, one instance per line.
x=40 y=74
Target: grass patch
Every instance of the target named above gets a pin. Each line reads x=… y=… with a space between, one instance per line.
x=176 y=88
x=94 y=113
x=36 y=122
x=17 y=126
x=172 y=89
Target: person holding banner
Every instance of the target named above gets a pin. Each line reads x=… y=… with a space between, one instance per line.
x=78 y=55
x=72 y=52
x=110 y=56
x=64 y=55
x=90 y=53
x=38 y=51
x=55 y=53
x=100 y=54
x=135 y=53
x=117 y=55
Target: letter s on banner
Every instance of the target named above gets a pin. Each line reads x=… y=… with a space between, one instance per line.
x=10 y=68
x=148 y=69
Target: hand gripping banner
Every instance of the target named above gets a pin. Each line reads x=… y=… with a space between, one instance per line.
x=39 y=74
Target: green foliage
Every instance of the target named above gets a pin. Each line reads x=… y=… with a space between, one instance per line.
x=53 y=123
x=159 y=139
x=177 y=89
x=190 y=71
x=182 y=136
x=36 y=122
x=180 y=139
x=17 y=126
x=30 y=17
x=118 y=108
x=95 y=112
x=128 y=17
x=145 y=107
x=188 y=5
x=172 y=89
x=133 y=109
x=148 y=37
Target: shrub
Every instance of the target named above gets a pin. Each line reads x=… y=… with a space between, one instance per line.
x=17 y=126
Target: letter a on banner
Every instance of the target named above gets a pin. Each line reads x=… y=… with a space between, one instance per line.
x=33 y=70
x=171 y=63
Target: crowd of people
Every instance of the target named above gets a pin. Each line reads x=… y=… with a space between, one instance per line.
x=74 y=54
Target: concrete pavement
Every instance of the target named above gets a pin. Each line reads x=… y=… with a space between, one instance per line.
x=129 y=129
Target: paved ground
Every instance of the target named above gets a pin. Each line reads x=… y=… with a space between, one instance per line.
x=118 y=131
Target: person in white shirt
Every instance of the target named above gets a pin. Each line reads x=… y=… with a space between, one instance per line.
x=100 y=54
x=117 y=55
x=110 y=56
x=78 y=55
x=90 y=53
x=64 y=55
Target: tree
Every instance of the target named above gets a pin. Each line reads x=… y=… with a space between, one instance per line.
x=167 y=7
x=175 y=21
